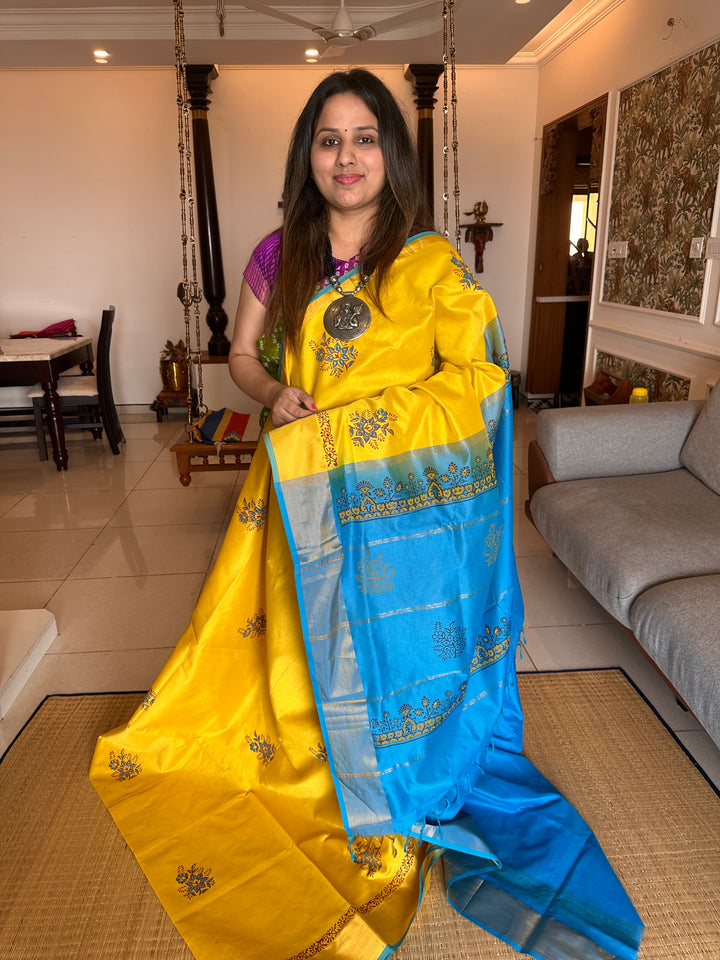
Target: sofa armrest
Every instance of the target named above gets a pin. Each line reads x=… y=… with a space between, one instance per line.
x=539 y=473
x=615 y=440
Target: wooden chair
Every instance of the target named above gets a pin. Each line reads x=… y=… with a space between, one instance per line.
x=87 y=401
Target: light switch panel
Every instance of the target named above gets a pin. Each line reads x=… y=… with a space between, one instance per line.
x=617 y=249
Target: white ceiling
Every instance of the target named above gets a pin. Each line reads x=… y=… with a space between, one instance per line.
x=63 y=33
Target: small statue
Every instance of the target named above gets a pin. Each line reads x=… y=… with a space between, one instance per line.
x=479 y=211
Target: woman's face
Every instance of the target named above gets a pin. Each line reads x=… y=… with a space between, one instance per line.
x=346 y=160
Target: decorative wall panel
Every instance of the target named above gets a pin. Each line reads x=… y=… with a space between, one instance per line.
x=660 y=384
x=665 y=178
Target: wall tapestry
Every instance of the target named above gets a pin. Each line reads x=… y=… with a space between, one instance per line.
x=664 y=183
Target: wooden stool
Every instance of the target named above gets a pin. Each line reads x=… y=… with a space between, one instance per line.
x=172 y=398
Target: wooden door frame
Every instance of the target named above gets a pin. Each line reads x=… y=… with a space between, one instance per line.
x=555 y=190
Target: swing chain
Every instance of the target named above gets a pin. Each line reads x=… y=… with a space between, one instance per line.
x=189 y=291
x=450 y=106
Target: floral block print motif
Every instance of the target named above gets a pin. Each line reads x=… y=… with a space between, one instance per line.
x=374 y=575
x=413 y=721
x=194 y=881
x=262 y=746
x=664 y=183
x=334 y=356
x=251 y=514
x=449 y=642
x=319 y=752
x=370 y=428
x=124 y=766
x=465 y=274
x=255 y=626
x=415 y=492
x=367 y=853
x=148 y=700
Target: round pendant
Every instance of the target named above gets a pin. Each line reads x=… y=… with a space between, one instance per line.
x=347 y=318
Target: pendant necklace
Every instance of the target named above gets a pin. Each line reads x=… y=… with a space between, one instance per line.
x=349 y=317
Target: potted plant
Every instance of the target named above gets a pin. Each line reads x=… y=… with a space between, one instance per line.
x=174 y=367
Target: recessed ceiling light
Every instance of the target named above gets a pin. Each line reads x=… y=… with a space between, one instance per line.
x=311 y=52
x=522 y=1
x=101 y=60
x=100 y=53
x=311 y=59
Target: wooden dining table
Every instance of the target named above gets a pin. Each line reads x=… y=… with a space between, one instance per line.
x=43 y=360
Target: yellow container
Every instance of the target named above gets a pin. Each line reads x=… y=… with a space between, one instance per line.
x=639 y=395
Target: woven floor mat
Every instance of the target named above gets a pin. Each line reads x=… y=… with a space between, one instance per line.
x=70 y=888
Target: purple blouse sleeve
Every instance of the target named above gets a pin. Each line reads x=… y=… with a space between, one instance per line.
x=262 y=269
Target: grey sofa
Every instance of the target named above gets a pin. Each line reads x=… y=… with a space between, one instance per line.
x=628 y=498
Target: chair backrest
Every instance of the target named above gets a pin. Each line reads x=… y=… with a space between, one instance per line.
x=108 y=412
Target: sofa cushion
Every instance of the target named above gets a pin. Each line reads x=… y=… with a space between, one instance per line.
x=621 y=535
x=678 y=624
x=625 y=440
x=701 y=451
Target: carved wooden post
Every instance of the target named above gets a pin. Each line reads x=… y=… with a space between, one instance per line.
x=425 y=77
x=208 y=230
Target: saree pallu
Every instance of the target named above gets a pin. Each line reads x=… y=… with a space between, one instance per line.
x=343 y=708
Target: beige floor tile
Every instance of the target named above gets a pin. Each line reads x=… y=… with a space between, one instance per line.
x=184 y=504
x=163 y=475
x=101 y=473
x=704 y=750
x=42 y=555
x=520 y=488
x=140 y=449
x=552 y=597
x=527 y=541
x=125 y=613
x=73 y=509
x=8 y=501
x=27 y=594
x=147 y=551
x=159 y=433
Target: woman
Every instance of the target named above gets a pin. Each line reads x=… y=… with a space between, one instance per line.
x=343 y=708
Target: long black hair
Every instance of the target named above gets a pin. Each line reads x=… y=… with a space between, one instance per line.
x=401 y=208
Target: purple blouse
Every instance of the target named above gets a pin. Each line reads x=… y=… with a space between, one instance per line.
x=262 y=269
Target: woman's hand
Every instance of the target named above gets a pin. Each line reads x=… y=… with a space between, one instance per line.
x=291 y=403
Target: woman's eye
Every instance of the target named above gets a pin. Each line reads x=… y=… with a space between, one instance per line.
x=366 y=140
x=330 y=142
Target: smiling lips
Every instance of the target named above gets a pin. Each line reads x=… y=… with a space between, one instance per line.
x=348 y=178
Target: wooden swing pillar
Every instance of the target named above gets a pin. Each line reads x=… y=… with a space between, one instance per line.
x=199 y=77
x=425 y=77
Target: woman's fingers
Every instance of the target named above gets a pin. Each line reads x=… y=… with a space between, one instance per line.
x=291 y=404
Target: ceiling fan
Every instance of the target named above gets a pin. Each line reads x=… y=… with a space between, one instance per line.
x=342 y=32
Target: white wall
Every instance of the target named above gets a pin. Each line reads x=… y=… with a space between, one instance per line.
x=89 y=210
x=627 y=45
x=90 y=185
x=496 y=130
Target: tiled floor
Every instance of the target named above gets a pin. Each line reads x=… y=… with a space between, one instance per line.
x=118 y=551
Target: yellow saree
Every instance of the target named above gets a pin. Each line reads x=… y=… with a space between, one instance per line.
x=345 y=690
x=220 y=782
